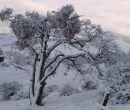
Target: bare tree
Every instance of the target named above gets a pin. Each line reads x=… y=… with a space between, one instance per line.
x=34 y=32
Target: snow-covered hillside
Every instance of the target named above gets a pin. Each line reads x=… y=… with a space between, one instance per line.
x=82 y=101
x=122 y=41
x=6 y=41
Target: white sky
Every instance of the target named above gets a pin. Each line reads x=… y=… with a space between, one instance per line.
x=112 y=15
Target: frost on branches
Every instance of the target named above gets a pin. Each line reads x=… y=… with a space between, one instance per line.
x=34 y=33
x=117 y=83
x=5 y=14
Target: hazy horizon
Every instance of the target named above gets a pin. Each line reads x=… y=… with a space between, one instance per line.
x=112 y=15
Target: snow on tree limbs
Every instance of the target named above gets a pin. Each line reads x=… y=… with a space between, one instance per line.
x=34 y=32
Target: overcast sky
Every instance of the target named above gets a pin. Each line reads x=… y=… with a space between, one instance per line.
x=112 y=15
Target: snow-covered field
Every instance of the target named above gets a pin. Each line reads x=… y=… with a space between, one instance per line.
x=83 y=101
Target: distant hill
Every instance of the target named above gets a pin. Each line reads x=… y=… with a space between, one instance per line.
x=121 y=40
x=3 y=34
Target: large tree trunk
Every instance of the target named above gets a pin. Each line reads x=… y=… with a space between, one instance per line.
x=39 y=98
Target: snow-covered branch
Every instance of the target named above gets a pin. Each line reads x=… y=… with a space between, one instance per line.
x=53 y=47
x=74 y=65
x=19 y=67
x=55 y=66
x=52 y=61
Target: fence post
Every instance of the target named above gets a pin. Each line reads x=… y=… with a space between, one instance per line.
x=105 y=100
x=1 y=55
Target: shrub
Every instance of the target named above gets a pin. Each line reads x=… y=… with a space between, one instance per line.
x=120 y=90
x=8 y=89
x=49 y=89
x=52 y=88
x=117 y=81
x=89 y=85
x=20 y=95
x=4 y=64
x=68 y=90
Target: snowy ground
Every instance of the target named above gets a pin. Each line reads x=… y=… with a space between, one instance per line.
x=82 y=101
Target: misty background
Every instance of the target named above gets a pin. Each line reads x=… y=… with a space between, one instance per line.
x=112 y=15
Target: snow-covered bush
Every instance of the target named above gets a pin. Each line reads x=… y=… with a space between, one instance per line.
x=68 y=90
x=120 y=90
x=8 y=89
x=52 y=88
x=89 y=85
x=49 y=89
x=117 y=81
x=20 y=95
x=4 y=64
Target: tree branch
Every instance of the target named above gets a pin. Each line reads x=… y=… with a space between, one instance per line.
x=58 y=63
x=19 y=67
x=53 y=47
x=52 y=61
